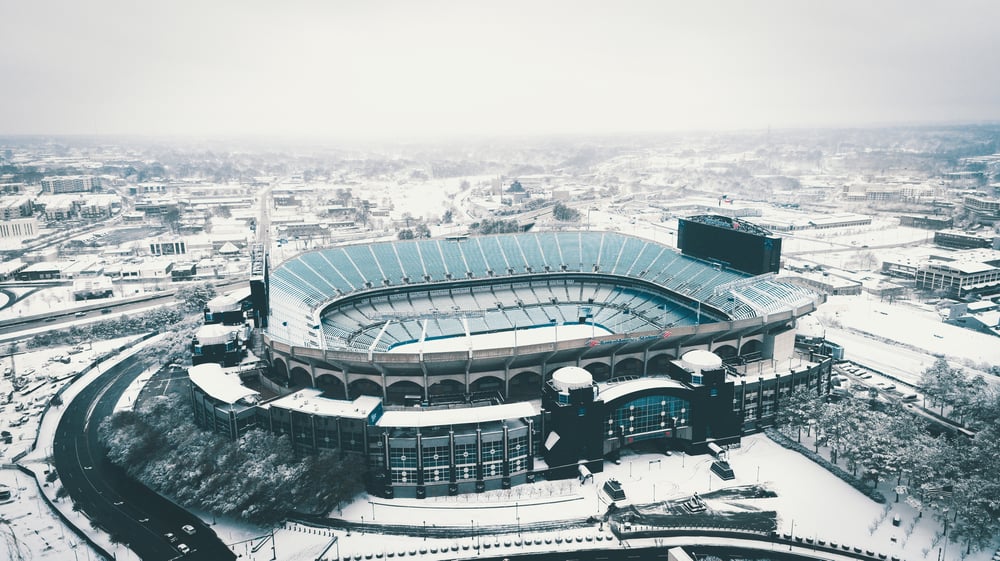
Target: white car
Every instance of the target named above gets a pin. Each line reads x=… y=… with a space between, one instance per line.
x=183 y=548
x=188 y=529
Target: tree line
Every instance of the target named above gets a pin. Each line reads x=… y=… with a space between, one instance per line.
x=257 y=478
x=950 y=475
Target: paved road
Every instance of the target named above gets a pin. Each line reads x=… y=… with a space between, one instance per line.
x=123 y=507
x=58 y=319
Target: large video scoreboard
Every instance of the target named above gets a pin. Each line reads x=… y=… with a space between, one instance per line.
x=735 y=243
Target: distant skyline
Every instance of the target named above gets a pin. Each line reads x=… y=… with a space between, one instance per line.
x=383 y=70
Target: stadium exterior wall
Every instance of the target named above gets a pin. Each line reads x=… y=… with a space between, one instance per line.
x=468 y=367
x=503 y=452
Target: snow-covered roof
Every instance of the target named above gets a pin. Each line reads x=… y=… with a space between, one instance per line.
x=11 y=266
x=212 y=380
x=215 y=333
x=420 y=417
x=981 y=306
x=610 y=392
x=310 y=400
x=45 y=266
x=967 y=267
x=229 y=299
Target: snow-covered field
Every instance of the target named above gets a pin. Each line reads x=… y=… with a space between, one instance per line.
x=901 y=337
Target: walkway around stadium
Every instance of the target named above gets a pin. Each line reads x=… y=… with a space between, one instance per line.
x=818 y=516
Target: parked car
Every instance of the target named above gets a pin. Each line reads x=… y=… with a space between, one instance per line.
x=188 y=529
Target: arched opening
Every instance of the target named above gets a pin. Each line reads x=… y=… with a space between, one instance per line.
x=446 y=391
x=725 y=351
x=659 y=365
x=404 y=392
x=600 y=371
x=300 y=377
x=487 y=385
x=524 y=386
x=364 y=387
x=628 y=367
x=751 y=349
x=279 y=372
x=332 y=387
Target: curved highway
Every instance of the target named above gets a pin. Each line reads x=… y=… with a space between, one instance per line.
x=130 y=512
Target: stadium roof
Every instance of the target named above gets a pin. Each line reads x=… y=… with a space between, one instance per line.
x=212 y=380
x=311 y=400
x=229 y=299
x=610 y=391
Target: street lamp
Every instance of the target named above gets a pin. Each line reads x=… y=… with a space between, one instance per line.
x=517 y=515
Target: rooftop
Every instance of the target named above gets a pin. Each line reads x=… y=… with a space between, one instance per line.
x=212 y=380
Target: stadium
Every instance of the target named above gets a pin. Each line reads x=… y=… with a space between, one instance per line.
x=470 y=363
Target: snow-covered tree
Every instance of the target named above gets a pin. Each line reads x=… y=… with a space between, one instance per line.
x=796 y=410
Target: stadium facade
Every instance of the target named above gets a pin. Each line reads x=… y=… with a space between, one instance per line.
x=466 y=364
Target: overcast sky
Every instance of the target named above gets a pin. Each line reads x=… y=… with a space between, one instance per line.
x=420 y=68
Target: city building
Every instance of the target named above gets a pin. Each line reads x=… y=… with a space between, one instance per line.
x=926 y=222
x=957 y=239
x=827 y=283
x=45 y=270
x=87 y=288
x=70 y=184
x=958 y=278
x=983 y=208
x=14 y=208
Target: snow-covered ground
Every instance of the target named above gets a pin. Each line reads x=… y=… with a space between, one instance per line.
x=805 y=493
x=902 y=338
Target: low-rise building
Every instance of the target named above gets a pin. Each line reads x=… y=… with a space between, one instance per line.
x=13 y=208
x=87 y=288
x=958 y=278
x=45 y=270
x=957 y=239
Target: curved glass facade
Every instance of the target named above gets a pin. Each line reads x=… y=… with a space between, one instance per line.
x=648 y=417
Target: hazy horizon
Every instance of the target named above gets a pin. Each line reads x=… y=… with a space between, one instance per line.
x=410 y=70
